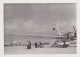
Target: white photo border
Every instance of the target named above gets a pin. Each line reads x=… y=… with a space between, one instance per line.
x=38 y=1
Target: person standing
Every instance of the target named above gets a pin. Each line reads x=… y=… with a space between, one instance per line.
x=29 y=45
x=35 y=45
x=40 y=45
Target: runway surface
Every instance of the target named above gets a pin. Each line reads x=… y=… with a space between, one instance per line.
x=24 y=50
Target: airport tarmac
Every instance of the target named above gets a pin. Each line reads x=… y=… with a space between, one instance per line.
x=24 y=50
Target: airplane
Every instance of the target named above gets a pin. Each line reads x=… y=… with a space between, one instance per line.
x=61 y=36
x=65 y=38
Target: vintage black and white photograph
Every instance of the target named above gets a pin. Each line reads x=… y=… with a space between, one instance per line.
x=40 y=28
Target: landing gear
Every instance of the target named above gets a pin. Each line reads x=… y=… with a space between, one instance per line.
x=65 y=45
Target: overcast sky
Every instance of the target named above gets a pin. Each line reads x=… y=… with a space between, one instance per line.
x=39 y=18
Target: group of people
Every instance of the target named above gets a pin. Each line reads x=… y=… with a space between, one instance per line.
x=28 y=45
x=36 y=44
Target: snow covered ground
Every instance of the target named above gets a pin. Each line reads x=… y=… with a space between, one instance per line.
x=24 y=50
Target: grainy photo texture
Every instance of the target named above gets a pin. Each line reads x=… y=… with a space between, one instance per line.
x=40 y=28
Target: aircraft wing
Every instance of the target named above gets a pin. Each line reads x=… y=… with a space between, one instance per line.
x=46 y=36
x=42 y=36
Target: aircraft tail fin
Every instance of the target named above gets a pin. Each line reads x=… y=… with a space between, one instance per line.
x=56 y=28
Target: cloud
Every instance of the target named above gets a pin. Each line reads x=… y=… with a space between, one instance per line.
x=39 y=18
x=30 y=24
